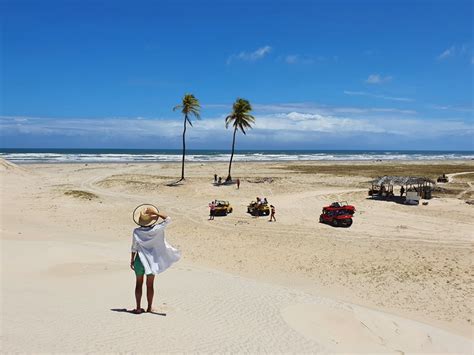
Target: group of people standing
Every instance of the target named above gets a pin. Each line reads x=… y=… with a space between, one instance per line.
x=218 y=181
x=260 y=201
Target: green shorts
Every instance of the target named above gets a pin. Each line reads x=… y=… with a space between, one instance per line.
x=138 y=266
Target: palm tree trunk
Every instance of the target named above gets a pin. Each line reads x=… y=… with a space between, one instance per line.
x=184 y=147
x=229 y=178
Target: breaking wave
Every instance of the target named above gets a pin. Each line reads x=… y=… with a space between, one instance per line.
x=150 y=156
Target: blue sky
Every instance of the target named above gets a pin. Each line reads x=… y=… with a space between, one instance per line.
x=320 y=74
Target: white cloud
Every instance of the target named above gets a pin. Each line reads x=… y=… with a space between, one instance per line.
x=291 y=59
x=285 y=107
x=303 y=127
x=453 y=108
x=308 y=107
x=374 y=110
x=377 y=96
x=85 y=126
x=259 y=53
x=250 y=56
x=299 y=59
x=378 y=79
x=447 y=53
x=455 y=51
x=306 y=122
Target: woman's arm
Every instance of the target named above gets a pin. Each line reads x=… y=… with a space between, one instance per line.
x=165 y=217
x=166 y=220
x=162 y=215
x=151 y=213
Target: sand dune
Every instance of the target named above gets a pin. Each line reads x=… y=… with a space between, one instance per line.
x=6 y=165
x=80 y=299
x=399 y=280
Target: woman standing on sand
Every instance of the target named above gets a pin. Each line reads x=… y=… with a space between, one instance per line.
x=151 y=253
x=212 y=210
x=272 y=213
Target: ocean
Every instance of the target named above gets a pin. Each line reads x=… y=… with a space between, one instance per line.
x=174 y=155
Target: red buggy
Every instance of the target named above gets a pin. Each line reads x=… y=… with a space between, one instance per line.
x=338 y=214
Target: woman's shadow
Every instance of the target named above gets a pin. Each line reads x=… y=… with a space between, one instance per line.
x=124 y=310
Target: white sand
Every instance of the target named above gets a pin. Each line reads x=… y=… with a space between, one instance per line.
x=399 y=280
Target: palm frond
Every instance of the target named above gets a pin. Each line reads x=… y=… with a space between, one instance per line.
x=240 y=117
x=228 y=120
x=189 y=107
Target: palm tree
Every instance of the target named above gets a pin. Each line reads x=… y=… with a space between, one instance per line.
x=241 y=119
x=189 y=107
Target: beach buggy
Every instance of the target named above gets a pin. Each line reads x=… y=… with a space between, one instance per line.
x=259 y=207
x=338 y=214
x=222 y=207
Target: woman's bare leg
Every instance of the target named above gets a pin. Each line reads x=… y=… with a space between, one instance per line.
x=149 y=290
x=138 y=292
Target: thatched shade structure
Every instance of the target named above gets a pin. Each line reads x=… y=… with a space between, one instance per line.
x=383 y=186
x=402 y=181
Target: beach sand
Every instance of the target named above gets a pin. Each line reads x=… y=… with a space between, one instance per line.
x=400 y=279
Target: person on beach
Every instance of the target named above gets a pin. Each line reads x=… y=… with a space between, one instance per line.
x=212 y=210
x=151 y=253
x=219 y=181
x=402 y=191
x=272 y=213
x=238 y=184
x=215 y=178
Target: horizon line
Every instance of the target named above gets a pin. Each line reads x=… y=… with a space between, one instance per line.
x=245 y=150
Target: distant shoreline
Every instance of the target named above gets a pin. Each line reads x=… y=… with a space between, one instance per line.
x=40 y=156
x=315 y=162
x=263 y=162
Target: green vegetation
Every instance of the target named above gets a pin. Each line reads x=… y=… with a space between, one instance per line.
x=84 y=195
x=138 y=182
x=464 y=177
x=431 y=171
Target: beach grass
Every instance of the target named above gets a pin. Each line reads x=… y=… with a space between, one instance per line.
x=464 y=178
x=81 y=194
x=137 y=182
x=431 y=171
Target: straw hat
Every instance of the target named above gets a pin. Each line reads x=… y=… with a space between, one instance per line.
x=142 y=218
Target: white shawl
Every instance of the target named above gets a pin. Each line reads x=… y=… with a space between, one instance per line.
x=153 y=250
